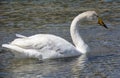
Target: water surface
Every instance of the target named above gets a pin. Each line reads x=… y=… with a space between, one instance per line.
x=54 y=17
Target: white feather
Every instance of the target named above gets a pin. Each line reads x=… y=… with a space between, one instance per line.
x=21 y=36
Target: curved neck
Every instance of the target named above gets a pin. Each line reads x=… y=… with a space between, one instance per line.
x=77 y=39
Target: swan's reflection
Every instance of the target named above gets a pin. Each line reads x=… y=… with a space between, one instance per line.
x=79 y=65
x=67 y=67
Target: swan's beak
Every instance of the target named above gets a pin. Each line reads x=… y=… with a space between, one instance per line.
x=100 y=21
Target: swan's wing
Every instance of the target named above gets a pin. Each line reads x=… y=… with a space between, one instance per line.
x=42 y=43
x=20 y=36
x=32 y=42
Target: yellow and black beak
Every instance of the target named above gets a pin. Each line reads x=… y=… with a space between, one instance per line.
x=100 y=21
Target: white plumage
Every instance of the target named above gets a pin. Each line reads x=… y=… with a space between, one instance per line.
x=44 y=46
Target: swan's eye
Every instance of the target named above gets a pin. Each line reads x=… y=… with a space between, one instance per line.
x=100 y=21
x=94 y=17
x=91 y=18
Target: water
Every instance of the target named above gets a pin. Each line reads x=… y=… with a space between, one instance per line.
x=54 y=17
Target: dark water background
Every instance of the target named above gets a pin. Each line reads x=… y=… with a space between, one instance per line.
x=29 y=17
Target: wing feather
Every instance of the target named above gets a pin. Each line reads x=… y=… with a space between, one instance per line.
x=20 y=36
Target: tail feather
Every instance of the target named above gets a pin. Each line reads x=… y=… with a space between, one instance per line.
x=13 y=47
x=21 y=36
x=29 y=52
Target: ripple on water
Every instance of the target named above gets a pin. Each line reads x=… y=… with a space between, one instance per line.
x=44 y=16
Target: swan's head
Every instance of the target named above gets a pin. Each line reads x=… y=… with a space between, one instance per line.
x=93 y=16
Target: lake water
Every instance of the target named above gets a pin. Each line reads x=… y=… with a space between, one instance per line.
x=29 y=17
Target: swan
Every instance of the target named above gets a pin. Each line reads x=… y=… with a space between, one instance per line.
x=47 y=46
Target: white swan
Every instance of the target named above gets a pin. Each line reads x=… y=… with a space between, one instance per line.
x=44 y=46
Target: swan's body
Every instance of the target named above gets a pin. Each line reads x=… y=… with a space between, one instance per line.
x=44 y=46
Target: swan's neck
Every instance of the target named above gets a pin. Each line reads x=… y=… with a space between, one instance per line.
x=77 y=39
